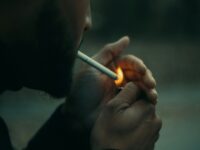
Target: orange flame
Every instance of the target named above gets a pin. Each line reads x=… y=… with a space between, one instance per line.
x=120 y=77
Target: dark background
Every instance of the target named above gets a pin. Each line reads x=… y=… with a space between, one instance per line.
x=147 y=18
x=166 y=35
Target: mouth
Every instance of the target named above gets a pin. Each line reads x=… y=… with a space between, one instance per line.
x=80 y=43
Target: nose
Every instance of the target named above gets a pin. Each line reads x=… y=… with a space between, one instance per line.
x=88 y=20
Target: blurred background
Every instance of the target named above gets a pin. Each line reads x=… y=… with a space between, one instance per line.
x=166 y=35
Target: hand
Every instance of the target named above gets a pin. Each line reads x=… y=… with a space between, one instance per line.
x=92 y=89
x=126 y=123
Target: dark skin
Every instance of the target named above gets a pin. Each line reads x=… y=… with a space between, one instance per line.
x=46 y=34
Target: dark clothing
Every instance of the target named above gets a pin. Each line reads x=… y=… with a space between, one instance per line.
x=60 y=132
x=5 y=143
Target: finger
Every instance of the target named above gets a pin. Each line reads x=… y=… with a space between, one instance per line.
x=132 y=63
x=131 y=76
x=148 y=80
x=136 y=114
x=148 y=127
x=151 y=94
x=111 y=51
x=146 y=108
x=128 y=95
x=135 y=70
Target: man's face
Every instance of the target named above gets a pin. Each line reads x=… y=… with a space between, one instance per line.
x=41 y=38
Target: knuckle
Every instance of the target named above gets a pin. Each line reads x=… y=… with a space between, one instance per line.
x=108 y=51
x=142 y=70
x=153 y=83
x=147 y=108
x=141 y=67
x=150 y=72
x=110 y=106
x=128 y=56
x=152 y=79
x=140 y=61
x=135 y=59
x=153 y=95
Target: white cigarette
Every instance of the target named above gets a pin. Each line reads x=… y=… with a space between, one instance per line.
x=97 y=65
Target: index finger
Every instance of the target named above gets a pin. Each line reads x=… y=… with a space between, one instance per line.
x=132 y=63
x=111 y=51
x=136 y=71
x=126 y=97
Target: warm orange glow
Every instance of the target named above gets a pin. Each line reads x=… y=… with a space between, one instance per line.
x=120 y=77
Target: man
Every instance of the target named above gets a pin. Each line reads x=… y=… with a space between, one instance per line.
x=39 y=40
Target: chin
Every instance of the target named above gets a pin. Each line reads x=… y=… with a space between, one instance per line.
x=52 y=72
x=58 y=84
x=57 y=90
x=45 y=61
x=56 y=55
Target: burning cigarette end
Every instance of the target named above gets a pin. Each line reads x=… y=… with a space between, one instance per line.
x=120 y=77
x=97 y=65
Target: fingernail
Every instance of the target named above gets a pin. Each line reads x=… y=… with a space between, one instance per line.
x=154 y=96
x=123 y=39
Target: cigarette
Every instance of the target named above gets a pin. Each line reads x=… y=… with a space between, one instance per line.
x=97 y=65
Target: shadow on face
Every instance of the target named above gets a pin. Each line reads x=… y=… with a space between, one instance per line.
x=39 y=41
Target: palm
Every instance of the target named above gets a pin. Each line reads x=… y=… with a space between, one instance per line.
x=90 y=90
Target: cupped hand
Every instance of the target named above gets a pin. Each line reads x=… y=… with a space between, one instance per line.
x=91 y=89
x=126 y=122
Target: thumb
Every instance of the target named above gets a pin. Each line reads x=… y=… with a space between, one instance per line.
x=111 y=51
x=127 y=96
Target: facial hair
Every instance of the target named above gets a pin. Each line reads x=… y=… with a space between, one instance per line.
x=45 y=63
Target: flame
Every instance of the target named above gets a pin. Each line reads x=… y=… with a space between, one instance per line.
x=120 y=76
